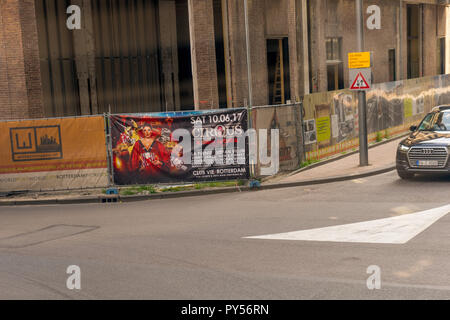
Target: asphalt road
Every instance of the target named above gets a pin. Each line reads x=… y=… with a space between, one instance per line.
x=195 y=248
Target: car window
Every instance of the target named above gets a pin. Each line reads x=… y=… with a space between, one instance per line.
x=439 y=121
x=426 y=122
x=446 y=120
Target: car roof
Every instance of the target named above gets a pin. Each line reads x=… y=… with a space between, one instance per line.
x=441 y=108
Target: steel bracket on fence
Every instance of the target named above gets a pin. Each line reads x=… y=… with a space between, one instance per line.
x=109 y=152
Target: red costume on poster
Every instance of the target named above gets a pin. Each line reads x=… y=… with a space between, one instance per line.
x=149 y=162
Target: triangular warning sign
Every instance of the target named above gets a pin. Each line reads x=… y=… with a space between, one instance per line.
x=360 y=83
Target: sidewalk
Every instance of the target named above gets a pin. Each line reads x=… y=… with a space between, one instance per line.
x=381 y=157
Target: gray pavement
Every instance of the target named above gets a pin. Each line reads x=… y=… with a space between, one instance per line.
x=194 y=247
x=381 y=156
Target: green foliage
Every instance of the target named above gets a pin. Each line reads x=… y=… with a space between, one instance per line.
x=177 y=189
x=137 y=190
x=308 y=163
x=379 y=137
x=220 y=184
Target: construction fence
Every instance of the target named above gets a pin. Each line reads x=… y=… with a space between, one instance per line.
x=123 y=149
x=326 y=124
x=108 y=150
x=53 y=154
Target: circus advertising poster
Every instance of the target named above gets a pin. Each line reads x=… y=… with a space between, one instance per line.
x=179 y=147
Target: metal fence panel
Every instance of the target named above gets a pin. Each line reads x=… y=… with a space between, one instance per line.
x=286 y=119
x=53 y=154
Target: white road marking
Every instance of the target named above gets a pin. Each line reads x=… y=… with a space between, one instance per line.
x=395 y=230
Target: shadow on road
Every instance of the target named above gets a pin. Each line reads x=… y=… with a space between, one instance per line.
x=421 y=179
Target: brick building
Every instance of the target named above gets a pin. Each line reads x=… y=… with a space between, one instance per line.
x=157 y=55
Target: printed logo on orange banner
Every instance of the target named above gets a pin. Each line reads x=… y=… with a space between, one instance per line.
x=52 y=145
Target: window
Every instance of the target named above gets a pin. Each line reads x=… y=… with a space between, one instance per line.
x=441 y=56
x=392 y=65
x=335 y=69
x=439 y=121
x=426 y=122
x=333 y=49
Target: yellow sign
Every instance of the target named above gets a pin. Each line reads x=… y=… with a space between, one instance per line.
x=408 y=107
x=323 y=129
x=359 y=60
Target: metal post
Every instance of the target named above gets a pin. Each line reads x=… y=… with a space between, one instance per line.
x=299 y=131
x=302 y=126
x=363 y=145
x=109 y=149
x=249 y=67
x=253 y=182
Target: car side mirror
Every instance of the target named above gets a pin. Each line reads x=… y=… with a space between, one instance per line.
x=413 y=128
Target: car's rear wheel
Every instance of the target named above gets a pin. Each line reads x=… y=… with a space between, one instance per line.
x=405 y=174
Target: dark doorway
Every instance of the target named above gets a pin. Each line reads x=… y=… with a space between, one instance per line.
x=278 y=70
x=335 y=76
x=335 y=66
x=220 y=53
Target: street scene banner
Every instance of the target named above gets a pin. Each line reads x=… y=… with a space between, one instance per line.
x=53 y=154
x=173 y=147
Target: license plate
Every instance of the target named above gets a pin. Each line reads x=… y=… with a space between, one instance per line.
x=427 y=163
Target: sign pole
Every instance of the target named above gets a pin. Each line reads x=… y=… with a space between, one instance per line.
x=249 y=66
x=363 y=145
x=253 y=182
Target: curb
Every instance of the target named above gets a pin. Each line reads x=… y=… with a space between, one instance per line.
x=328 y=180
x=193 y=193
x=323 y=162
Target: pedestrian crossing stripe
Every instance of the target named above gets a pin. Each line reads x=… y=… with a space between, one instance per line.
x=394 y=230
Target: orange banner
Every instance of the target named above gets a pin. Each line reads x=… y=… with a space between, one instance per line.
x=52 y=153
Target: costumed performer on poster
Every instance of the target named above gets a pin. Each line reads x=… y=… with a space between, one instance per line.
x=149 y=158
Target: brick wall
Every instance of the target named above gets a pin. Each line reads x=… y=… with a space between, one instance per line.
x=292 y=16
x=430 y=40
x=267 y=19
x=318 y=15
x=236 y=29
x=20 y=81
x=337 y=18
x=258 y=51
x=204 y=70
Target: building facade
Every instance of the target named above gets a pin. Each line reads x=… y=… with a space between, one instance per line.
x=164 y=55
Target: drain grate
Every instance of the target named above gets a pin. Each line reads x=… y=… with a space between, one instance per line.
x=46 y=234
